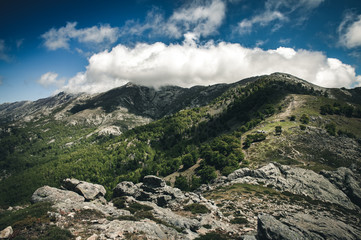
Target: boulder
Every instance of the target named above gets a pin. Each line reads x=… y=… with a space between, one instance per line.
x=6 y=233
x=152 y=181
x=90 y=191
x=54 y=195
x=126 y=189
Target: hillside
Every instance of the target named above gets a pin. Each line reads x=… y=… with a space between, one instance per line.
x=189 y=137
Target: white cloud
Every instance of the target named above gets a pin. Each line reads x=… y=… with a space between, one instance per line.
x=278 y=12
x=190 y=64
x=201 y=18
x=60 y=38
x=3 y=55
x=350 y=31
x=51 y=79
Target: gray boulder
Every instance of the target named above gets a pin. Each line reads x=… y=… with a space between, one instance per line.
x=152 y=181
x=90 y=191
x=54 y=195
x=126 y=189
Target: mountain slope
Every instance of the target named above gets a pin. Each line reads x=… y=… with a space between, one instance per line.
x=232 y=126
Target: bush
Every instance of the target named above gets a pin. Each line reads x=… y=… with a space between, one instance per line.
x=331 y=129
x=302 y=127
x=293 y=118
x=239 y=220
x=278 y=130
x=212 y=236
x=207 y=174
x=119 y=202
x=54 y=232
x=304 y=119
x=196 y=208
x=181 y=183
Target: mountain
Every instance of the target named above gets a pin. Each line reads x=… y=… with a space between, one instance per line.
x=217 y=141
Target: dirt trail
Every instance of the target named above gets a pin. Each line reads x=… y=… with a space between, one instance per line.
x=294 y=101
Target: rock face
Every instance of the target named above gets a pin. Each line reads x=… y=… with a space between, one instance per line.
x=295 y=180
x=303 y=226
x=89 y=191
x=6 y=233
x=346 y=181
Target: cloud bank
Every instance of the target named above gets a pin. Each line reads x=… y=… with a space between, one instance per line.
x=51 y=79
x=190 y=64
x=59 y=38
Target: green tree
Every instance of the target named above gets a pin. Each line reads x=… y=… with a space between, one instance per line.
x=181 y=183
x=207 y=174
x=331 y=129
x=278 y=130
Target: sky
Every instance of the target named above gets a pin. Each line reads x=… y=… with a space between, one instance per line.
x=47 y=47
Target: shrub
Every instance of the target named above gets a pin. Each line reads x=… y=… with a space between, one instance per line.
x=293 y=118
x=304 y=119
x=331 y=129
x=302 y=127
x=207 y=174
x=239 y=220
x=181 y=183
x=212 y=236
x=135 y=207
x=196 y=208
x=119 y=202
x=278 y=130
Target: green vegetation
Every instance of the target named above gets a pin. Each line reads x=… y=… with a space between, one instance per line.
x=304 y=119
x=341 y=109
x=278 y=130
x=239 y=220
x=32 y=222
x=196 y=208
x=331 y=129
x=46 y=151
x=213 y=236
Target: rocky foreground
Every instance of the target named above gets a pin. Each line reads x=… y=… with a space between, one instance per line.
x=273 y=202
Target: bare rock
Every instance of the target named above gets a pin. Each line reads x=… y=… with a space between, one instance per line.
x=346 y=181
x=6 y=233
x=126 y=188
x=54 y=195
x=90 y=191
x=295 y=180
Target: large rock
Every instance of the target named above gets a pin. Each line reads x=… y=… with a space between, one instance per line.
x=269 y=228
x=304 y=226
x=54 y=195
x=153 y=181
x=346 y=181
x=295 y=180
x=126 y=188
x=153 y=189
x=6 y=233
x=90 y=191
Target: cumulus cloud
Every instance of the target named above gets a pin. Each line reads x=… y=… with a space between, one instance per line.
x=201 y=18
x=350 y=31
x=279 y=11
x=190 y=64
x=60 y=38
x=51 y=79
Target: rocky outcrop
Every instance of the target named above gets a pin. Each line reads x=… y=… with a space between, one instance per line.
x=346 y=181
x=89 y=191
x=295 y=180
x=153 y=189
x=6 y=233
x=54 y=195
x=304 y=226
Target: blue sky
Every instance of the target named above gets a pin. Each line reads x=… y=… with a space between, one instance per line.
x=92 y=46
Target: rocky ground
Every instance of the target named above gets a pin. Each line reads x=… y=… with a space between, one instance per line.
x=273 y=202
